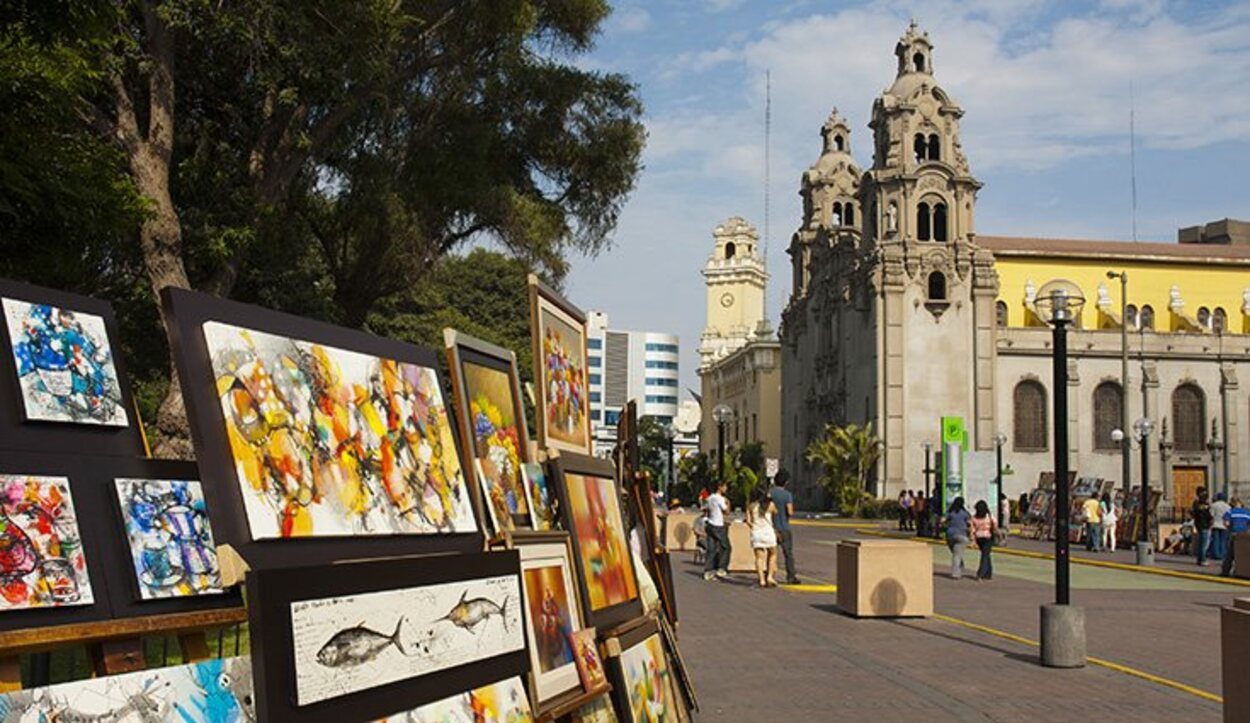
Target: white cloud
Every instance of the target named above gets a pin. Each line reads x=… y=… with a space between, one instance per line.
x=720 y=6
x=631 y=20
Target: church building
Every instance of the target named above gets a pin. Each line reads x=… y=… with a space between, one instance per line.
x=900 y=314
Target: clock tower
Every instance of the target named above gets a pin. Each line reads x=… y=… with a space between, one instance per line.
x=736 y=278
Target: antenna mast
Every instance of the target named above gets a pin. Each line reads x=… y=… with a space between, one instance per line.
x=1132 y=153
x=768 y=123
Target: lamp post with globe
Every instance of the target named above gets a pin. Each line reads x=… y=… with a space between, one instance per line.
x=721 y=414
x=1059 y=303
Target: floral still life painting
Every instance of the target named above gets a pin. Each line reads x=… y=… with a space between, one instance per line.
x=330 y=442
x=601 y=543
x=497 y=442
x=170 y=539
x=65 y=365
x=565 y=394
x=41 y=552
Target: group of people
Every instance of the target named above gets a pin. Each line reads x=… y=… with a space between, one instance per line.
x=915 y=512
x=1100 y=516
x=768 y=515
x=979 y=527
x=1216 y=526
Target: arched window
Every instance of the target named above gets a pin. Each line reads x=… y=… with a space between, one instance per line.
x=937 y=286
x=1130 y=316
x=935 y=148
x=730 y=250
x=920 y=147
x=922 y=222
x=918 y=61
x=1147 y=318
x=849 y=211
x=1000 y=314
x=1204 y=317
x=1030 y=433
x=838 y=143
x=837 y=213
x=1219 y=320
x=939 y=222
x=1108 y=407
x=1188 y=417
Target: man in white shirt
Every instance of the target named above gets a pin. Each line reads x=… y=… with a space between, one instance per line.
x=717 y=562
x=1219 y=528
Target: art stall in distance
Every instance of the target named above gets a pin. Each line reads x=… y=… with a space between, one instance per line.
x=169 y=536
x=329 y=442
x=64 y=365
x=41 y=552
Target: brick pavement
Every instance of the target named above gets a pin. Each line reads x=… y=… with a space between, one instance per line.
x=777 y=655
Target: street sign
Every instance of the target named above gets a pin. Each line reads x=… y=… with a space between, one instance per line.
x=772 y=466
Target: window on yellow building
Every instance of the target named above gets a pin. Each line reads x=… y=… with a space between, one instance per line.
x=1219 y=321
x=1000 y=314
x=1147 y=319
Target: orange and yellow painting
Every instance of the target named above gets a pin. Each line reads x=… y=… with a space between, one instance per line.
x=551 y=616
x=601 y=543
x=647 y=682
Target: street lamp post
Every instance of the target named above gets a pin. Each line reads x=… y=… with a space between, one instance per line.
x=721 y=413
x=1216 y=449
x=928 y=499
x=1141 y=432
x=670 y=433
x=1059 y=303
x=1125 y=444
x=999 y=440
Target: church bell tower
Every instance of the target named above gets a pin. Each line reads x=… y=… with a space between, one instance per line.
x=736 y=279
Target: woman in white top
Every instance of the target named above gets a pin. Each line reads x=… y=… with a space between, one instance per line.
x=1110 y=515
x=763 y=539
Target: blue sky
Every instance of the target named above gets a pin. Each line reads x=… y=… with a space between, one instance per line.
x=1045 y=87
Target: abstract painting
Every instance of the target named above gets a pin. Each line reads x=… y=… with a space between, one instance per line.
x=604 y=554
x=542 y=502
x=497 y=443
x=65 y=365
x=502 y=702
x=329 y=442
x=559 y=333
x=41 y=552
x=356 y=642
x=553 y=613
x=648 y=684
x=589 y=664
x=212 y=691
x=170 y=539
x=598 y=710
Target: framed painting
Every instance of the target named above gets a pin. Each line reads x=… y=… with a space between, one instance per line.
x=544 y=508
x=63 y=385
x=589 y=664
x=310 y=432
x=492 y=419
x=43 y=562
x=218 y=689
x=560 y=369
x=643 y=685
x=169 y=536
x=504 y=701
x=553 y=612
x=590 y=505
x=345 y=641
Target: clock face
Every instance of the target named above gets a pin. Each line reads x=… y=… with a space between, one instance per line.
x=727 y=300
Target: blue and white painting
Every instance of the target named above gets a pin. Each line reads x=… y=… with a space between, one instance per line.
x=212 y=691
x=64 y=364
x=171 y=541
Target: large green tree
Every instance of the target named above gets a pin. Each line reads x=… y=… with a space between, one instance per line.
x=322 y=155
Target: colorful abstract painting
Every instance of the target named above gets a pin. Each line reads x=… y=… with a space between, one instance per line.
x=648 y=684
x=597 y=711
x=565 y=396
x=493 y=410
x=502 y=702
x=542 y=502
x=601 y=542
x=212 y=691
x=65 y=365
x=171 y=541
x=329 y=442
x=355 y=642
x=41 y=553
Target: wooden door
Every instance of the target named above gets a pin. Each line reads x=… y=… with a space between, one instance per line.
x=1185 y=484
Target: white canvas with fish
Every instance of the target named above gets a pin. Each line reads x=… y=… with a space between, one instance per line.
x=355 y=642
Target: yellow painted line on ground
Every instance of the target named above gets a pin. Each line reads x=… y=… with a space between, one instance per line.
x=1200 y=577
x=823 y=523
x=804 y=587
x=1127 y=670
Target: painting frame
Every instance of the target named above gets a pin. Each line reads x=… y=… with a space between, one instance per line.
x=567 y=468
x=464 y=350
x=648 y=636
x=272 y=592
x=548 y=692
x=18 y=432
x=190 y=311
x=545 y=300
x=139 y=588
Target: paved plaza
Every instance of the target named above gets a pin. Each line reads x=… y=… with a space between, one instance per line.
x=789 y=654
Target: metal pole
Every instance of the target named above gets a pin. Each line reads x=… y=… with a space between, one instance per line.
x=1126 y=445
x=1062 y=504
x=928 y=470
x=999 y=497
x=671 y=479
x=720 y=453
x=1144 y=535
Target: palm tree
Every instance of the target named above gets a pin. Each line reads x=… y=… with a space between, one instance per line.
x=847 y=455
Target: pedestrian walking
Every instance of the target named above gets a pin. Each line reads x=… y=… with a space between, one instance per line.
x=984 y=529
x=904 y=509
x=1092 y=511
x=1219 y=529
x=1110 y=517
x=1238 y=521
x=717 y=563
x=1201 y=512
x=1004 y=513
x=958 y=530
x=1022 y=507
x=922 y=515
x=783 y=510
x=763 y=539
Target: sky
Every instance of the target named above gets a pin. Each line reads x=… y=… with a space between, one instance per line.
x=1046 y=87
